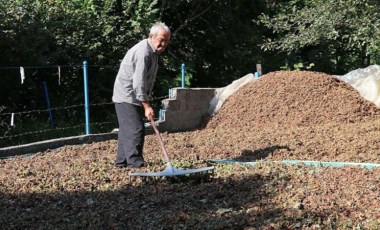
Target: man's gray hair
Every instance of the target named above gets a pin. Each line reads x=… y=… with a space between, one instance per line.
x=156 y=27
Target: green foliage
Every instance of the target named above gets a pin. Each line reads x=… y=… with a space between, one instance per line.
x=70 y=31
x=216 y=39
x=298 y=66
x=345 y=32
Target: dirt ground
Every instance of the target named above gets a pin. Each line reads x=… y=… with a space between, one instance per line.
x=285 y=115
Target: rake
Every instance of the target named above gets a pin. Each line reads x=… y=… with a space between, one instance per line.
x=170 y=170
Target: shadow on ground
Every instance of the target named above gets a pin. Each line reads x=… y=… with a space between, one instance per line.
x=229 y=203
x=260 y=154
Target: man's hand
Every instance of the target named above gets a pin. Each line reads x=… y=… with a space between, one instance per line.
x=149 y=113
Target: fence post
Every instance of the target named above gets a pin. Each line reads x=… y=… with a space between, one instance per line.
x=183 y=75
x=47 y=100
x=86 y=104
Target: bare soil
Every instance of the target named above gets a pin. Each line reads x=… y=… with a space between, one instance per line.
x=285 y=115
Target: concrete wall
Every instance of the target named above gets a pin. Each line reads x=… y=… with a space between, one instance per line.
x=54 y=143
x=185 y=109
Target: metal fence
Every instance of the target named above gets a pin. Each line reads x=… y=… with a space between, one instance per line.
x=47 y=102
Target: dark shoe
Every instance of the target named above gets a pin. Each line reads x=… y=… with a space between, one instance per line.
x=140 y=165
x=121 y=165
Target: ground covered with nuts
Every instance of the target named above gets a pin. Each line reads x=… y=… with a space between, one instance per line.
x=285 y=115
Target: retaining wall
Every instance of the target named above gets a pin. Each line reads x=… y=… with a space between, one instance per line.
x=54 y=143
x=185 y=109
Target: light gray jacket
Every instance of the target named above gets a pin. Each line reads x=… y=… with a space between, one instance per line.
x=135 y=79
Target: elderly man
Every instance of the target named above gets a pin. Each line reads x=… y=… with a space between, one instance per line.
x=133 y=85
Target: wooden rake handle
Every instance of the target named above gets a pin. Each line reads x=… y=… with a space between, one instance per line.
x=159 y=139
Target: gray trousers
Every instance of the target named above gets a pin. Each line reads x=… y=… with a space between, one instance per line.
x=131 y=134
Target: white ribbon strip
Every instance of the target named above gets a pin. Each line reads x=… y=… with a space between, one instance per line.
x=59 y=75
x=12 y=119
x=22 y=72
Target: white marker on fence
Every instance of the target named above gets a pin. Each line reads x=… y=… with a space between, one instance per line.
x=22 y=72
x=12 y=119
x=59 y=75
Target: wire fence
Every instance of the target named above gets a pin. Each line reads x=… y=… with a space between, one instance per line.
x=13 y=116
x=46 y=102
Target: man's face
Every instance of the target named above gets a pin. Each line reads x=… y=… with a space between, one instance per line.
x=160 y=41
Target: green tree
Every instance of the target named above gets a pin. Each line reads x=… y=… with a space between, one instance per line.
x=337 y=36
x=216 y=39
